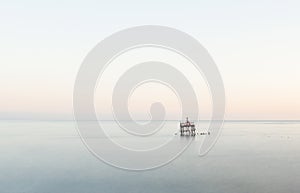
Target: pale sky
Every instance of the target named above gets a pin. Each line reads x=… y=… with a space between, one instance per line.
x=255 y=45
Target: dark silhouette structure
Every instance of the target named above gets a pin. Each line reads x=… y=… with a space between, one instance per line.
x=187 y=128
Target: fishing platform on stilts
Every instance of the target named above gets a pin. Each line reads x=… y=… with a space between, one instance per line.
x=187 y=128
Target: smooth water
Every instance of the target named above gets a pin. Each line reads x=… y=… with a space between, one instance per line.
x=48 y=157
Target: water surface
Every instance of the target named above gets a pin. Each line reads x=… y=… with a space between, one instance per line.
x=47 y=157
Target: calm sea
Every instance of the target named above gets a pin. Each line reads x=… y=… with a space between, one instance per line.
x=49 y=157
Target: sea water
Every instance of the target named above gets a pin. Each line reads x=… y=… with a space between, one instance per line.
x=250 y=156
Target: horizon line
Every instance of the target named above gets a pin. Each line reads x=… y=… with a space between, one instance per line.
x=225 y=120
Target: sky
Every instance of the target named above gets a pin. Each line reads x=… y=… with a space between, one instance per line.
x=255 y=45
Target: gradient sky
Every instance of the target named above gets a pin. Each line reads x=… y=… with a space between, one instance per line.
x=255 y=44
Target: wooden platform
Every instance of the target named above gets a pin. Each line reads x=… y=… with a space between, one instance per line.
x=187 y=128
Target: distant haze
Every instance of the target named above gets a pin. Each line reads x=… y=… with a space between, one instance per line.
x=255 y=44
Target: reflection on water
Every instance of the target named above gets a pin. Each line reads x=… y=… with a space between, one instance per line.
x=249 y=157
